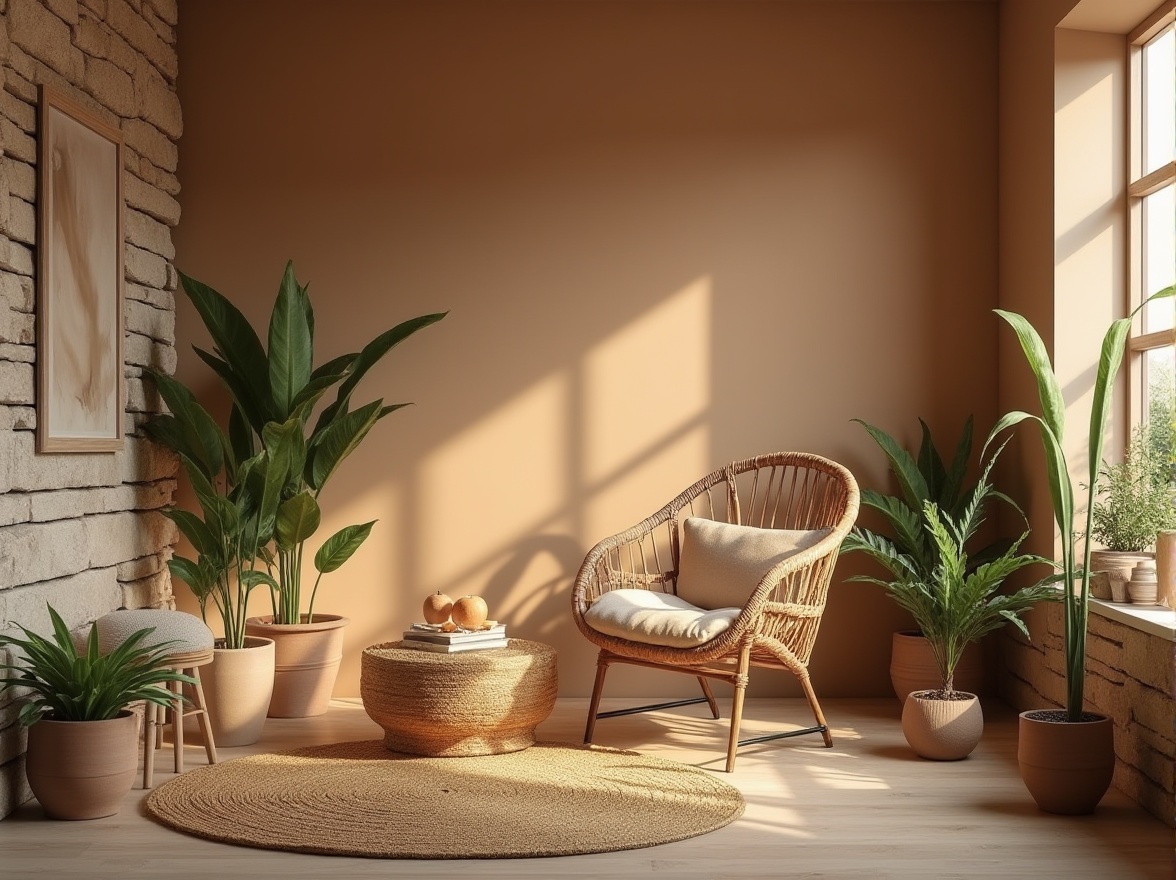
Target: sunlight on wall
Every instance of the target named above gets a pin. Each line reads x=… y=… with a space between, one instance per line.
x=492 y=485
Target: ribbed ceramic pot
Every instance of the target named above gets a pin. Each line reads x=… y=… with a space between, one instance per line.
x=82 y=769
x=1067 y=766
x=1112 y=570
x=237 y=689
x=912 y=666
x=1143 y=587
x=942 y=730
x=307 y=662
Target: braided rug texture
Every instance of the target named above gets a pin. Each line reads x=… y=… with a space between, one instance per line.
x=359 y=799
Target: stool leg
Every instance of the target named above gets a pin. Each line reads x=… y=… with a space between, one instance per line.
x=149 y=727
x=202 y=715
x=178 y=726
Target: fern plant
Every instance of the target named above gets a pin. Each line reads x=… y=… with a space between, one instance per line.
x=68 y=685
x=1134 y=497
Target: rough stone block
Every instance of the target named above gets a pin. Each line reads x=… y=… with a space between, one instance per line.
x=16 y=328
x=153 y=591
x=66 y=10
x=165 y=9
x=144 y=267
x=158 y=178
x=1149 y=659
x=159 y=324
x=151 y=143
x=22 y=221
x=79 y=599
x=162 y=29
x=149 y=234
x=15 y=257
x=96 y=6
x=134 y=569
x=139 y=33
x=110 y=86
x=146 y=352
x=16 y=293
x=1153 y=709
x=16 y=143
x=13 y=741
x=15 y=507
x=14 y=787
x=157 y=299
x=25 y=560
x=21 y=177
x=20 y=86
x=152 y=201
x=23 y=470
x=21 y=354
x=18 y=418
x=19 y=111
x=45 y=37
x=16 y=383
x=112 y=538
x=158 y=102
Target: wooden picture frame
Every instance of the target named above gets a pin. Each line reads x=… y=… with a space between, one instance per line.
x=80 y=385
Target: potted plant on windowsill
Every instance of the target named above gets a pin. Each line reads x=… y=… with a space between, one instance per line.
x=954 y=605
x=923 y=478
x=83 y=744
x=274 y=392
x=1067 y=758
x=1133 y=503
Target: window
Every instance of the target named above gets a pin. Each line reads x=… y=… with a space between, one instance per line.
x=1152 y=194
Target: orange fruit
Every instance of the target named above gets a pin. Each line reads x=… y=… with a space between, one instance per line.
x=469 y=612
x=438 y=608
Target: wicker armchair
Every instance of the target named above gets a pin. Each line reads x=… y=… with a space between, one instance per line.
x=776 y=626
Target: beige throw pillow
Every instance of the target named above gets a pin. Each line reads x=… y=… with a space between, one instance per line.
x=721 y=564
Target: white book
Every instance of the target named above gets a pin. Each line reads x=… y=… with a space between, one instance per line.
x=484 y=645
x=427 y=633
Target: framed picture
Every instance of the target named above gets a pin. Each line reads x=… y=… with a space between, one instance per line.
x=79 y=280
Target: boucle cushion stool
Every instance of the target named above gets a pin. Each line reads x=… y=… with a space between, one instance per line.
x=192 y=649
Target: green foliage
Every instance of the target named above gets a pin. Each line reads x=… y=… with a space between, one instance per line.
x=954 y=600
x=1051 y=429
x=274 y=464
x=68 y=685
x=1134 y=497
x=923 y=478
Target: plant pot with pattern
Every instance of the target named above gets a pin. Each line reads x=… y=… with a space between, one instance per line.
x=83 y=743
x=1067 y=758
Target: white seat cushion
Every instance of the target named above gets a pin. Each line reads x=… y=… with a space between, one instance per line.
x=188 y=631
x=721 y=564
x=657 y=618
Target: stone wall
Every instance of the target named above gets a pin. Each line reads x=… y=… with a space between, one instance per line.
x=83 y=532
x=1129 y=676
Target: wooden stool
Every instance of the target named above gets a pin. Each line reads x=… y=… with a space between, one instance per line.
x=191 y=649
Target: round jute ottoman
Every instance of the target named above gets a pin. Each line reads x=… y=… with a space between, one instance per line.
x=458 y=705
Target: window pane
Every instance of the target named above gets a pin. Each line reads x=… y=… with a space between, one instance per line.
x=1159 y=255
x=1159 y=384
x=1159 y=101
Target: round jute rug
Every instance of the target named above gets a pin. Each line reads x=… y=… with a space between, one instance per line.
x=359 y=799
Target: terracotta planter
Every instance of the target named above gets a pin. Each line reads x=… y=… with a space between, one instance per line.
x=1110 y=572
x=912 y=667
x=237 y=688
x=1066 y=766
x=942 y=730
x=308 y=657
x=82 y=769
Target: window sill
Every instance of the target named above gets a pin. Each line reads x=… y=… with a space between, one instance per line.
x=1152 y=619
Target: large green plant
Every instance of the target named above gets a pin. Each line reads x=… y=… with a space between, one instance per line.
x=273 y=393
x=922 y=479
x=1051 y=424
x=68 y=685
x=1133 y=501
x=956 y=602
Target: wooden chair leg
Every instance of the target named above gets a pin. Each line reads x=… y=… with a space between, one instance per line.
x=737 y=705
x=149 y=726
x=816 y=707
x=710 y=697
x=594 y=706
x=178 y=726
x=202 y=715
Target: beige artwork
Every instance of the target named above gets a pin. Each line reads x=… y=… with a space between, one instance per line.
x=81 y=299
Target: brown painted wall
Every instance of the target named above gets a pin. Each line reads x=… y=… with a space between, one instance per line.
x=670 y=234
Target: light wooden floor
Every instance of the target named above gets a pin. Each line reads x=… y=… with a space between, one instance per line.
x=865 y=808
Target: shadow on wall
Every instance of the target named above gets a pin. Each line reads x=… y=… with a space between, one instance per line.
x=669 y=236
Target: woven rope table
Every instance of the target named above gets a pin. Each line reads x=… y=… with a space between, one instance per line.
x=458 y=705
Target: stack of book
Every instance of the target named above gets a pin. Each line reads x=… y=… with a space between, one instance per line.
x=430 y=637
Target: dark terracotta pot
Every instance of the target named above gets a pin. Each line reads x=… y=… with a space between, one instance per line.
x=307 y=658
x=82 y=769
x=1067 y=766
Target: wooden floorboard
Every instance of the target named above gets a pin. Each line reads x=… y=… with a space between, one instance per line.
x=865 y=808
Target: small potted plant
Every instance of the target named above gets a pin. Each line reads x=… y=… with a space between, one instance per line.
x=954 y=605
x=83 y=743
x=906 y=546
x=1133 y=503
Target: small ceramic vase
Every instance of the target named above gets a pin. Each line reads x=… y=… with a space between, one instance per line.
x=1142 y=586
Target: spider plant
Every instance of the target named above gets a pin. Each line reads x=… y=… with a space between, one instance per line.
x=1051 y=427
x=68 y=685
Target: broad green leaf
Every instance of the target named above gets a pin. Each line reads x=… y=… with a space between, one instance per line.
x=910 y=481
x=949 y=496
x=338 y=548
x=1053 y=407
x=930 y=462
x=197 y=533
x=241 y=436
x=254 y=408
x=251 y=577
x=338 y=441
x=204 y=441
x=298 y=519
x=335 y=366
x=290 y=344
